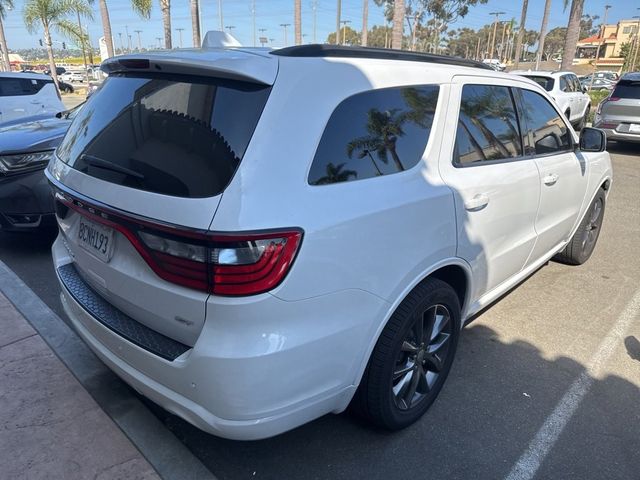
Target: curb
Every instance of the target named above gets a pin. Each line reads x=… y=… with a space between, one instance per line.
x=167 y=455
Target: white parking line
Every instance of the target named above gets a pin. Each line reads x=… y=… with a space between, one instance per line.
x=530 y=461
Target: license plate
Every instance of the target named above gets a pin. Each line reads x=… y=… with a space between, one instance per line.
x=634 y=128
x=96 y=239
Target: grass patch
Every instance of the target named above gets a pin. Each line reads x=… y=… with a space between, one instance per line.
x=596 y=97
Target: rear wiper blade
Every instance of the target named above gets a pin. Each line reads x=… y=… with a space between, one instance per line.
x=108 y=165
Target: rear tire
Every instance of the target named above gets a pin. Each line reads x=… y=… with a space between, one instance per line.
x=580 y=125
x=412 y=357
x=583 y=242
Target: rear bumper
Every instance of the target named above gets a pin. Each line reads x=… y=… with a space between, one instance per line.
x=26 y=203
x=261 y=365
x=620 y=136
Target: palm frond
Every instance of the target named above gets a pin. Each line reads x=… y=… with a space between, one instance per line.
x=4 y=6
x=142 y=7
x=69 y=30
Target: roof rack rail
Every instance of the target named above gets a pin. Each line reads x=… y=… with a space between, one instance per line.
x=341 y=51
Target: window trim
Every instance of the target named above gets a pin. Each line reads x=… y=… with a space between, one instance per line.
x=519 y=158
x=437 y=112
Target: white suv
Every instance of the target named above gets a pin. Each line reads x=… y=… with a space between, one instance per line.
x=27 y=94
x=566 y=90
x=254 y=239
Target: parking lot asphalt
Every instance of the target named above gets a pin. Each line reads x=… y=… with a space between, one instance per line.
x=546 y=383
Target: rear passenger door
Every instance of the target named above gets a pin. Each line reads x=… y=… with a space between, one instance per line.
x=563 y=173
x=496 y=189
x=567 y=90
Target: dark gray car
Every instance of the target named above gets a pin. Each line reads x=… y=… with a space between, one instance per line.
x=25 y=150
x=619 y=113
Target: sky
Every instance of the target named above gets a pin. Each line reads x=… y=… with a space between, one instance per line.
x=270 y=14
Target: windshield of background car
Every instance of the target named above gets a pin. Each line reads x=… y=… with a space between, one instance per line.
x=174 y=135
x=544 y=82
x=627 y=89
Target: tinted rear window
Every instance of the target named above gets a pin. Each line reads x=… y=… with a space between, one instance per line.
x=14 y=87
x=544 y=82
x=375 y=133
x=627 y=89
x=178 y=136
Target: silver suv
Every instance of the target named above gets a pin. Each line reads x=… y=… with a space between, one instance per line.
x=619 y=113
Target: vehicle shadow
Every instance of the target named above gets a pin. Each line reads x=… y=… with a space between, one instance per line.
x=624 y=148
x=495 y=400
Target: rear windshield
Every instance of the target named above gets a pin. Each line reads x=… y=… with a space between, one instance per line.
x=627 y=89
x=544 y=82
x=178 y=136
x=14 y=87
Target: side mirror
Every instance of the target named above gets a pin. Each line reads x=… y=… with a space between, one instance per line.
x=584 y=90
x=593 y=140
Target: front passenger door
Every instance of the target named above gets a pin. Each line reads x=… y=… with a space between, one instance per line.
x=495 y=188
x=563 y=173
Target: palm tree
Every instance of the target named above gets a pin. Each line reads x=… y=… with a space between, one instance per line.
x=543 y=32
x=573 y=32
x=165 y=8
x=384 y=129
x=365 y=21
x=141 y=7
x=521 y=31
x=297 y=22
x=4 y=50
x=52 y=15
x=398 y=24
x=195 y=22
x=335 y=174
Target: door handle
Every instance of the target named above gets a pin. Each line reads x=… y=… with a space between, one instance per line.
x=550 y=179
x=478 y=202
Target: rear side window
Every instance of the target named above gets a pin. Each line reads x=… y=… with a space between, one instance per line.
x=548 y=131
x=545 y=82
x=375 y=133
x=178 y=136
x=487 y=126
x=626 y=89
x=14 y=87
x=565 y=84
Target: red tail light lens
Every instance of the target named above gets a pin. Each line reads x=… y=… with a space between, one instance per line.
x=223 y=264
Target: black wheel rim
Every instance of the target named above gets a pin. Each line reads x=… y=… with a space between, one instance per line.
x=592 y=229
x=422 y=358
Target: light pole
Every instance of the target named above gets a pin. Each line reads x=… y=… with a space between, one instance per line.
x=180 y=30
x=314 y=8
x=635 y=55
x=253 y=20
x=285 y=25
x=344 y=30
x=495 y=28
x=121 y=45
x=604 y=29
x=338 y=12
x=159 y=40
x=220 y=15
x=139 y=41
x=126 y=29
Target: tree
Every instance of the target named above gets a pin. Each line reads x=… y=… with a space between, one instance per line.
x=378 y=36
x=554 y=42
x=335 y=174
x=297 y=22
x=195 y=22
x=398 y=24
x=351 y=37
x=141 y=7
x=573 y=32
x=587 y=27
x=521 y=30
x=53 y=15
x=165 y=8
x=4 y=50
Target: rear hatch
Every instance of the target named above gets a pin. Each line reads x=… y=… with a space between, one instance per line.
x=144 y=163
x=621 y=110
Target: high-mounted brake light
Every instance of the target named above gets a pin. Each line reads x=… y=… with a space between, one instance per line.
x=223 y=264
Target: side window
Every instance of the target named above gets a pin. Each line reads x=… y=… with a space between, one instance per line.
x=576 y=84
x=565 y=84
x=487 y=126
x=549 y=132
x=13 y=87
x=374 y=133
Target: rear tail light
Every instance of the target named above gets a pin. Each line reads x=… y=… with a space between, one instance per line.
x=223 y=264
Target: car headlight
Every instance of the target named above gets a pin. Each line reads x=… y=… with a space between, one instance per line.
x=24 y=162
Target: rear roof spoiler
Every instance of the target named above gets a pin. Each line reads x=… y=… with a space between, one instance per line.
x=227 y=63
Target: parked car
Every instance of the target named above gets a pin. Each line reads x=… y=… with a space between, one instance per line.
x=59 y=71
x=604 y=75
x=71 y=77
x=254 y=240
x=567 y=92
x=597 y=84
x=26 y=94
x=619 y=114
x=495 y=64
x=26 y=203
x=65 y=87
